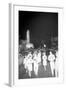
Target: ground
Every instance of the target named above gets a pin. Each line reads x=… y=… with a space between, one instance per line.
x=42 y=73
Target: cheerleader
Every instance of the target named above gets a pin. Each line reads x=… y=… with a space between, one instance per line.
x=44 y=57
x=56 y=65
x=29 y=63
x=51 y=58
x=35 y=61
x=25 y=62
x=39 y=58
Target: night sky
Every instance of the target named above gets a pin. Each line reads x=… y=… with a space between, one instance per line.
x=42 y=26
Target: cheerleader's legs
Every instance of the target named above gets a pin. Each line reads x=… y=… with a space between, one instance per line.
x=29 y=73
x=45 y=64
x=56 y=69
x=29 y=69
x=36 y=68
x=52 y=68
x=45 y=67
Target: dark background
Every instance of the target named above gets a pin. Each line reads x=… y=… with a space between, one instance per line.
x=42 y=26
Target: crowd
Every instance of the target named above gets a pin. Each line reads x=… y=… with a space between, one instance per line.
x=32 y=61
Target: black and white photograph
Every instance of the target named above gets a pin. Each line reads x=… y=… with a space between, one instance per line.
x=37 y=44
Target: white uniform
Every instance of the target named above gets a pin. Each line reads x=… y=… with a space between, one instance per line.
x=35 y=58
x=56 y=65
x=29 y=63
x=25 y=62
x=51 y=58
x=44 y=57
x=39 y=57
